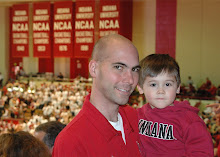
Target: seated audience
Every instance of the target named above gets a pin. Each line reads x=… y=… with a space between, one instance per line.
x=207 y=89
x=218 y=91
x=60 y=76
x=216 y=107
x=190 y=81
x=215 y=127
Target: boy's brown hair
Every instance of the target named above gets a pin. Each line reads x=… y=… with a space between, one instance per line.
x=154 y=64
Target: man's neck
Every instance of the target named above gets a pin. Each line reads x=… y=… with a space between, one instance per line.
x=108 y=110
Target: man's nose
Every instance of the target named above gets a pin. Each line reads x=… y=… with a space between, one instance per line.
x=128 y=77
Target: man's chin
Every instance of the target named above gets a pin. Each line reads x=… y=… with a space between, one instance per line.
x=123 y=102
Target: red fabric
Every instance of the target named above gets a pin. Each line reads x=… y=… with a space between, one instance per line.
x=14 y=121
x=84 y=28
x=219 y=150
x=107 y=24
x=126 y=13
x=42 y=29
x=217 y=145
x=174 y=131
x=90 y=134
x=121 y=22
x=79 y=67
x=212 y=90
x=63 y=29
x=12 y=62
x=20 y=30
x=166 y=27
x=46 y=65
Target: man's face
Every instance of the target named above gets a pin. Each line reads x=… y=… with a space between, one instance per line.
x=117 y=75
x=160 y=91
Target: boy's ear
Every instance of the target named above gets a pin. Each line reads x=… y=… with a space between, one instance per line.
x=140 y=89
x=178 y=90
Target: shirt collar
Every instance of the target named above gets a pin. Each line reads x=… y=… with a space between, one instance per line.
x=101 y=123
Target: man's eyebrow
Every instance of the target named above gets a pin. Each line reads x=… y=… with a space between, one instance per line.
x=135 y=67
x=120 y=64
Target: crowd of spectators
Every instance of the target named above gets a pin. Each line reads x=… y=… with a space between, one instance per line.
x=212 y=120
x=30 y=104
x=206 y=90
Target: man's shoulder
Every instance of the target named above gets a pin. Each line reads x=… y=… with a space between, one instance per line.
x=68 y=140
x=80 y=118
x=73 y=127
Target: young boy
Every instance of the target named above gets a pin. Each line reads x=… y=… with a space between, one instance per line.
x=168 y=128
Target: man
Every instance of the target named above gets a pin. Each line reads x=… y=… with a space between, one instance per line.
x=47 y=132
x=106 y=126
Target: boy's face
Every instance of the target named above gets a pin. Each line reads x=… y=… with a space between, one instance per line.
x=160 y=91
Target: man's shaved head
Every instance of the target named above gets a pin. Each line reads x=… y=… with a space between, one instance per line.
x=99 y=51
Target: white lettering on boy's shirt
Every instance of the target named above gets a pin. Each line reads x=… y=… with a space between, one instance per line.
x=156 y=130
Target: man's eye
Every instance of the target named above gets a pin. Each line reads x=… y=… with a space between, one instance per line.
x=118 y=67
x=136 y=69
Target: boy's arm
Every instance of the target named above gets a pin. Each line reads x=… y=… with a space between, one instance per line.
x=198 y=141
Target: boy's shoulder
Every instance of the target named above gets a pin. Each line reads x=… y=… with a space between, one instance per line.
x=185 y=107
x=182 y=110
x=144 y=109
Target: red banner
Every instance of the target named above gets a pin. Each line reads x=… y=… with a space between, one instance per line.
x=166 y=22
x=42 y=29
x=109 y=22
x=126 y=13
x=84 y=28
x=20 y=30
x=46 y=65
x=63 y=29
x=79 y=67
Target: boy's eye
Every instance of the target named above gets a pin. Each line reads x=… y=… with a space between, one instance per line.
x=153 y=84
x=168 y=84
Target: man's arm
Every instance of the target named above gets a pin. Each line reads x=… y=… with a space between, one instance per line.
x=68 y=146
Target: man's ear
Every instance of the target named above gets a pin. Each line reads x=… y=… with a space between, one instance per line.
x=178 y=90
x=140 y=89
x=92 y=68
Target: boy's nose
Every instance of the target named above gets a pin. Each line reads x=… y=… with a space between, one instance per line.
x=161 y=91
